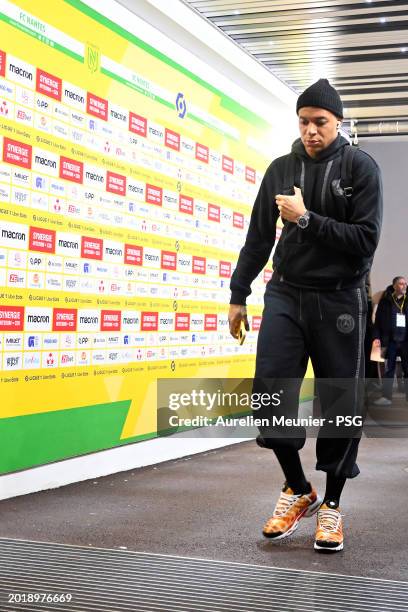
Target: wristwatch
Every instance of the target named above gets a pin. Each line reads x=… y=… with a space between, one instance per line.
x=303 y=220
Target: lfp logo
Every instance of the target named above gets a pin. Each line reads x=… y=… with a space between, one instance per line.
x=181 y=105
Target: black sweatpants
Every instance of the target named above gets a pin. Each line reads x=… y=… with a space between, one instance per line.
x=328 y=327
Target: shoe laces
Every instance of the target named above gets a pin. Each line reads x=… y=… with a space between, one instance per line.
x=285 y=503
x=329 y=520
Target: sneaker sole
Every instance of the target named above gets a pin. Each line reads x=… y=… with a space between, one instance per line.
x=326 y=549
x=310 y=510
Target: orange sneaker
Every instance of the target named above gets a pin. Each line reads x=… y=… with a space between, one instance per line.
x=329 y=530
x=289 y=509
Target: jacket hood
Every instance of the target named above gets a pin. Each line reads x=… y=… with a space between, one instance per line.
x=327 y=153
x=388 y=292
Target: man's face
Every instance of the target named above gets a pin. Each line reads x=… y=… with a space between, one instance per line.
x=318 y=128
x=400 y=286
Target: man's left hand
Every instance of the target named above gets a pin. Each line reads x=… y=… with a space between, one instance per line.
x=291 y=207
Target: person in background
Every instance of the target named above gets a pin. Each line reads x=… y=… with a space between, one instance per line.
x=390 y=332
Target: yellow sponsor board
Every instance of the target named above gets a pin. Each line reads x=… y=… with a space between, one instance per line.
x=126 y=185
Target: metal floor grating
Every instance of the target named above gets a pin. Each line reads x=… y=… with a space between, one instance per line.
x=103 y=580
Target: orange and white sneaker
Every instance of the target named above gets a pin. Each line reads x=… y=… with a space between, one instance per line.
x=289 y=509
x=329 y=530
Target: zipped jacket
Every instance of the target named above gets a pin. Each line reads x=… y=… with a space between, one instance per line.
x=336 y=249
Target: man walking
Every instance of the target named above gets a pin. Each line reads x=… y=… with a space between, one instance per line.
x=390 y=332
x=315 y=302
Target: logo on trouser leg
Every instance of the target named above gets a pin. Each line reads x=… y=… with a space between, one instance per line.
x=345 y=323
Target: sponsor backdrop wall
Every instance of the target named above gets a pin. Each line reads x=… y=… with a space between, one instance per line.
x=126 y=184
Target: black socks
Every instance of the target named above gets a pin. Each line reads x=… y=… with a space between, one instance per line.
x=291 y=465
x=334 y=488
x=289 y=460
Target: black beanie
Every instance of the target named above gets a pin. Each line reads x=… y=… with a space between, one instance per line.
x=322 y=95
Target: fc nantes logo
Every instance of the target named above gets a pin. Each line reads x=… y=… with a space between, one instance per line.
x=93 y=58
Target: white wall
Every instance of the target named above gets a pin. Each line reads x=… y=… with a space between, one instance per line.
x=391 y=258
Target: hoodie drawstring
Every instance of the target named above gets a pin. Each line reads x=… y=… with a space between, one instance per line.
x=326 y=177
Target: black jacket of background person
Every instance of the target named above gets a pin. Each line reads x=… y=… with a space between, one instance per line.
x=337 y=248
x=383 y=325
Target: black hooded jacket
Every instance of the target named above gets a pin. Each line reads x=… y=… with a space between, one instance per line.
x=385 y=317
x=337 y=248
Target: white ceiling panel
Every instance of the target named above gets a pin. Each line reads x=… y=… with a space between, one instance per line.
x=361 y=46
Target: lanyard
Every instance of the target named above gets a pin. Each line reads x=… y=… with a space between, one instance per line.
x=397 y=305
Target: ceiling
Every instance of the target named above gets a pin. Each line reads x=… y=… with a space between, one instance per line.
x=360 y=46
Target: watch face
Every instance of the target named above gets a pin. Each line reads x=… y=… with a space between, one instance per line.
x=303 y=222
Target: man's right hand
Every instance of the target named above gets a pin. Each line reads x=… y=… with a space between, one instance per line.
x=236 y=314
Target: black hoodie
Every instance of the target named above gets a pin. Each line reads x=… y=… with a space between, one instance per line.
x=337 y=248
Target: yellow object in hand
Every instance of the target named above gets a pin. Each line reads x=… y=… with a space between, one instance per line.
x=242 y=333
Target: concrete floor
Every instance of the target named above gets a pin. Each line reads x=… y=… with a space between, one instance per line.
x=213 y=505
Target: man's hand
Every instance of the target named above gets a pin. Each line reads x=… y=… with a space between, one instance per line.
x=291 y=207
x=237 y=313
